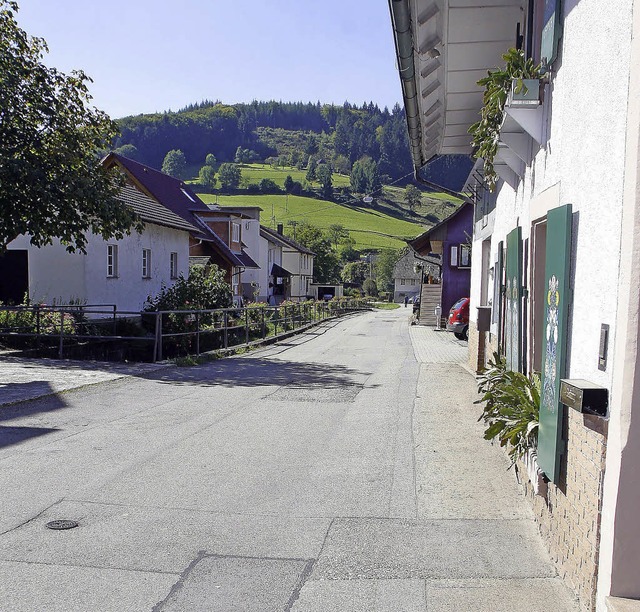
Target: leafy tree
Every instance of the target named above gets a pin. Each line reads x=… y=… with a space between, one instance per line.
x=229 y=175
x=52 y=184
x=412 y=196
x=357 y=178
x=211 y=161
x=311 y=145
x=268 y=185
x=311 y=170
x=288 y=183
x=128 y=151
x=175 y=164
x=207 y=176
x=324 y=175
x=336 y=233
x=355 y=272
x=341 y=164
x=326 y=265
x=370 y=287
x=348 y=251
x=385 y=263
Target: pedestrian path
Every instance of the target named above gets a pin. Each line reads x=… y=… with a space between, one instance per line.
x=469 y=505
x=27 y=379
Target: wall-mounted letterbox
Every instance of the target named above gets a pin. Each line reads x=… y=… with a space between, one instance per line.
x=584 y=396
x=484 y=318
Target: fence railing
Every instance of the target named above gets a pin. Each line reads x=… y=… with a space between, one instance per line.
x=162 y=334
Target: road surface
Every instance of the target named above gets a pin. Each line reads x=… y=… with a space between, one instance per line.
x=330 y=472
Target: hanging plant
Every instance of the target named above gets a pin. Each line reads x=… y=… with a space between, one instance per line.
x=486 y=132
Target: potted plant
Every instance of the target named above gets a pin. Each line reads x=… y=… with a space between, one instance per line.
x=518 y=77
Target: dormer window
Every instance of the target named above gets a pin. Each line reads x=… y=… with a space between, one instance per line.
x=235 y=232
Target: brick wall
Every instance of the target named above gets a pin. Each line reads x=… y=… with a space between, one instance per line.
x=569 y=515
x=480 y=351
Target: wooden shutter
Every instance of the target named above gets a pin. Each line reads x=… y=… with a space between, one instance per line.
x=556 y=304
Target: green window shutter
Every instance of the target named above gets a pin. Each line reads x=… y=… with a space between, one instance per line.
x=513 y=300
x=556 y=304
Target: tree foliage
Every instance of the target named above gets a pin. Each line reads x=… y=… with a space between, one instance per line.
x=365 y=177
x=229 y=175
x=205 y=288
x=355 y=272
x=207 y=176
x=175 y=164
x=326 y=265
x=385 y=263
x=412 y=196
x=52 y=184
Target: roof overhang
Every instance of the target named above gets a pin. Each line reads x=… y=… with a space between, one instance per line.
x=443 y=48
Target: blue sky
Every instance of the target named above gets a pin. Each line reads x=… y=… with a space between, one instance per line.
x=155 y=55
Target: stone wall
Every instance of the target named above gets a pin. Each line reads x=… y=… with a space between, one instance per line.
x=569 y=515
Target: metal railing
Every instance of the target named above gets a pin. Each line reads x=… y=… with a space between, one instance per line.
x=167 y=333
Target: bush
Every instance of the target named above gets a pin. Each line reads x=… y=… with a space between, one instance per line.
x=369 y=287
x=268 y=185
x=512 y=407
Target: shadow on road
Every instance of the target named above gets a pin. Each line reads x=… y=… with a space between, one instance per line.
x=255 y=372
x=15 y=435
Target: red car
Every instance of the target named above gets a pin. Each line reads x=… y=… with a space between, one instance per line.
x=458 y=320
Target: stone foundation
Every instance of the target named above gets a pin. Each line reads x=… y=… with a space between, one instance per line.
x=569 y=515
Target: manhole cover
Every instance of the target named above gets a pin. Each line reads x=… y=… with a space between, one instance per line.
x=61 y=524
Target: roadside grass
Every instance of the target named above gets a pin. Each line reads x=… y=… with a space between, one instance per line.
x=386 y=305
x=371 y=229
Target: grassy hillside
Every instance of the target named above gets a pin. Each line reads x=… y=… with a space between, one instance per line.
x=254 y=173
x=370 y=228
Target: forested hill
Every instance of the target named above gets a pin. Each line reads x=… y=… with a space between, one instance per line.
x=266 y=128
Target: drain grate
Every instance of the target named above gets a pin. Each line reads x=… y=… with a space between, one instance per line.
x=61 y=524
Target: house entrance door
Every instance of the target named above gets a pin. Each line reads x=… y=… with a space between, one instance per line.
x=14 y=276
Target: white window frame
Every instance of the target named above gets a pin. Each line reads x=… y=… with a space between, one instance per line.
x=173 y=265
x=454 y=256
x=235 y=232
x=146 y=263
x=465 y=248
x=112 y=261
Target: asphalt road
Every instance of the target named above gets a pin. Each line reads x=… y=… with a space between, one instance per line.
x=284 y=479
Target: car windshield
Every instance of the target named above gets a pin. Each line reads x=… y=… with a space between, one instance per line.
x=458 y=304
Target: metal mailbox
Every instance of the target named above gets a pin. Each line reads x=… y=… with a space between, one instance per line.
x=584 y=396
x=484 y=318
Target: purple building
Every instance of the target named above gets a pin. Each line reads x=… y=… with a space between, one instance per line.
x=451 y=241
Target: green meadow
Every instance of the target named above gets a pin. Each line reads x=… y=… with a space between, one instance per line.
x=369 y=228
x=254 y=173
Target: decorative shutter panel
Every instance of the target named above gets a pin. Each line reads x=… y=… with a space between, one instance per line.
x=513 y=300
x=557 y=300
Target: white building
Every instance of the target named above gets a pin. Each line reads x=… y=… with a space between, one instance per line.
x=116 y=272
x=555 y=246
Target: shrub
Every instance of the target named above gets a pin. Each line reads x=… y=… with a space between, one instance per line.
x=512 y=406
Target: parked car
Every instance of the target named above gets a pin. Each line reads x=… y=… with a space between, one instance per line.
x=458 y=320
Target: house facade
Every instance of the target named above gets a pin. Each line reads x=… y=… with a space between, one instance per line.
x=115 y=272
x=555 y=248
x=289 y=266
x=449 y=241
x=407 y=277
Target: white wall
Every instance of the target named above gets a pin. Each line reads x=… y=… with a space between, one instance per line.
x=55 y=275
x=581 y=163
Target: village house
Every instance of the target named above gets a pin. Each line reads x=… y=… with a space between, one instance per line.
x=122 y=272
x=555 y=247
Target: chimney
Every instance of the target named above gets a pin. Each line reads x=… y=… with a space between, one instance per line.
x=280 y=228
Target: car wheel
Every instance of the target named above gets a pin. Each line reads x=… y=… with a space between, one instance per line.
x=463 y=335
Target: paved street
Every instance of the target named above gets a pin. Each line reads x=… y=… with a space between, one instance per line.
x=341 y=470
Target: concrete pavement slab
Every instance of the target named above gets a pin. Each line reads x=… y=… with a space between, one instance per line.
x=390 y=548
x=157 y=540
x=33 y=587
x=535 y=595
x=237 y=584
x=362 y=596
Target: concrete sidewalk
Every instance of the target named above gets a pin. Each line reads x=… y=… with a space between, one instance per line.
x=495 y=557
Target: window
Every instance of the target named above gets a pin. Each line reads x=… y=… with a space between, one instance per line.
x=454 y=256
x=174 y=265
x=235 y=232
x=465 y=256
x=146 y=263
x=112 y=260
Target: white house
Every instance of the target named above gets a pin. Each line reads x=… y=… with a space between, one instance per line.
x=116 y=272
x=288 y=264
x=555 y=246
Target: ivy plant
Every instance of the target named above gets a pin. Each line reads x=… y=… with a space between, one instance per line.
x=486 y=132
x=511 y=407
